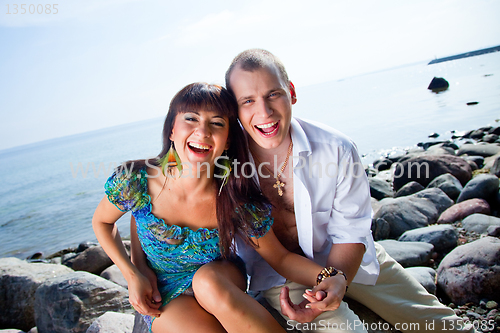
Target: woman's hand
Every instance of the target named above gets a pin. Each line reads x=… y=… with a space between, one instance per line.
x=328 y=295
x=143 y=293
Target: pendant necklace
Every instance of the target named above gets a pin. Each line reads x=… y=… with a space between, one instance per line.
x=279 y=184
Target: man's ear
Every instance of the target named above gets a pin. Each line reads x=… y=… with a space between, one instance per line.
x=292 y=93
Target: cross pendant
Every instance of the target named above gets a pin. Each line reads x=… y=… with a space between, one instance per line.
x=279 y=185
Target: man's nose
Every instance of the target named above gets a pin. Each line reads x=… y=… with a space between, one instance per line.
x=264 y=109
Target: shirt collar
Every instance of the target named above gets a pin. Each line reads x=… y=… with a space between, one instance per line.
x=301 y=145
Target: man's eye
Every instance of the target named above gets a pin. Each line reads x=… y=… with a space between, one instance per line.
x=248 y=101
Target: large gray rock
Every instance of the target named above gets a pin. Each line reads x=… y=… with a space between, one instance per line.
x=443 y=237
x=113 y=274
x=449 y=184
x=414 y=211
x=380 y=229
x=113 y=322
x=72 y=302
x=463 y=209
x=19 y=281
x=409 y=189
x=426 y=276
x=93 y=260
x=484 y=150
x=380 y=189
x=408 y=254
x=140 y=325
x=471 y=272
x=424 y=168
x=482 y=187
x=480 y=223
x=440 y=200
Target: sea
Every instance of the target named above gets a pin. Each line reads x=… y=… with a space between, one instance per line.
x=50 y=189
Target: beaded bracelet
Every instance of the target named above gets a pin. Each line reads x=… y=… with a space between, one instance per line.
x=329 y=272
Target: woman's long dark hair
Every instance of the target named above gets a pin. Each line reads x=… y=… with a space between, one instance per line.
x=239 y=190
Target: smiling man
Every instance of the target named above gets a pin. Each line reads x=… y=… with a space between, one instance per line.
x=326 y=218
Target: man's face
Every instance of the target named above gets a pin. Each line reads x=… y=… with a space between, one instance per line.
x=264 y=105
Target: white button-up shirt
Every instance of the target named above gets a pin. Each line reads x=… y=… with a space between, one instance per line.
x=331 y=203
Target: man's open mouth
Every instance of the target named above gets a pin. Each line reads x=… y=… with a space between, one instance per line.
x=269 y=128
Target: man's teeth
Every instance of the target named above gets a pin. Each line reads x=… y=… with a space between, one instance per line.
x=199 y=146
x=266 y=125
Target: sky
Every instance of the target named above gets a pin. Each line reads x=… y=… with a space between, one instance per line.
x=83 y=65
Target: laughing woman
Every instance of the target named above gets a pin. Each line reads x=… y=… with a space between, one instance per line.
x=188 y=206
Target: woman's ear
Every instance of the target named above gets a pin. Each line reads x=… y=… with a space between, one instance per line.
x=293 y=95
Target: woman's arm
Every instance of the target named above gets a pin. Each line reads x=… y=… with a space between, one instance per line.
x=107 y=234
x=139 y=260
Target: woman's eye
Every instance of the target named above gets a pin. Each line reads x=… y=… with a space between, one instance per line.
x=218 y=124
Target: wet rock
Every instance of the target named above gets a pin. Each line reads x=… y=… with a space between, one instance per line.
x=113 y=274
x=477 y=134
x=471 y=272
x=382 y=164
x=443 y=237
x=424 y=168
x=380 y=229
x=433 y=135
x=482 y=186
x=409 y=189
x=478 y=160
x=494 y=130
x=448 y=183
x=70 y=303
x=440 y=200
x=408 y=254
x=375 y=205
x=440 y=149
x=413 y=211
x=380 y=189
x=426 y=276
x=19 y=281
x=493 y=231
x=463 y=209
x=112 y=322
x=93 y=260
x=484 y=150
x=438 y=84
x=495 y=169
x=479 y=223
x=85 y=245
x=140 y=325
x=490 y=138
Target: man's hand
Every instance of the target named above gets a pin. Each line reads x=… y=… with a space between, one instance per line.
x=298 y=312
x=333 y=288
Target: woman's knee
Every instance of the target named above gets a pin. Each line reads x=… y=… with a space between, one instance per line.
x=214 y=285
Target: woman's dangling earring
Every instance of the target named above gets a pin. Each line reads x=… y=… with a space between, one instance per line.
x=226 y=170
x=171 y=160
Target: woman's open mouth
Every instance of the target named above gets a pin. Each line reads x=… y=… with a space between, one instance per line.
x=268 y=129
x=199 y=148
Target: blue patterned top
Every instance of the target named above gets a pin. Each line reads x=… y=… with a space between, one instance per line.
x=174 y=264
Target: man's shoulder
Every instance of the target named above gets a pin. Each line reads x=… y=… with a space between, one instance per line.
x=322 y=134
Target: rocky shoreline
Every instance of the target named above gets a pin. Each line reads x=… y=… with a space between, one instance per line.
x=436 y=211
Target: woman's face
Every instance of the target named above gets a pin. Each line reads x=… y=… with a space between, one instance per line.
x=200 y=136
